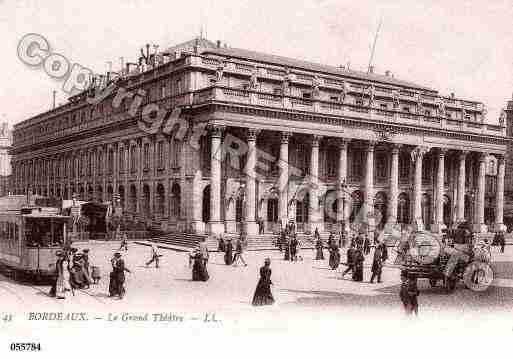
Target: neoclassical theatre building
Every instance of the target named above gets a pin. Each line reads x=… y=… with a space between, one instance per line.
x=319 y=145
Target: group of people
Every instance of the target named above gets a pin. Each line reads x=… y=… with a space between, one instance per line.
x=72 y=271
x=226 y=247
x=359 y=247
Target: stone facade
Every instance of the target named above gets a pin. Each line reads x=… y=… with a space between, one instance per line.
x=265 y=137
x=5 y=159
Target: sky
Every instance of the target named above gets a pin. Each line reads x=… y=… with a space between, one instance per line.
x=459 y=46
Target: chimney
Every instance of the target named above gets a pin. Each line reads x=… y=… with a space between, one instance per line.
x=387 y=73
x=218 y=44
x=371 y=69
x=452 y=94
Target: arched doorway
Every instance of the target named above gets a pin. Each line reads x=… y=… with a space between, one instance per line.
x=99 y=194
x=90 y=193
x=175 y=201
x=146 y=200
x=425 y=205
x=133 y=199
x=469 y=209
x=447 y=210
x=160 y=198
x=110 y=192
x=356 y=206
x=489 y=210
x=330 y=209
x=272 y=210
x=121 y=194
x=403 y=209
x=380 y=209
x=205 y=213
x=302 y=205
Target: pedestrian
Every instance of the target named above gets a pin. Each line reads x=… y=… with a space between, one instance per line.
x=413 y=293
x=220 y=244
x=203 y=251
x=377 y=264
x=293 y=248
x=366 y=245
x=350 y=260
x=61 y=277
x=281 y=240
x=330 y=241
x=124 y=242
x=334 y=260
x=263 y=295
x=117 y=286
x=403 y=292
x=358 y=260
x=502 y=240
x=199 y=268
x=319 y=253
x=154 y=256
x=238 y=253
x=287 y=248
x=260 y=226
x=87 y=272
x=228 y=252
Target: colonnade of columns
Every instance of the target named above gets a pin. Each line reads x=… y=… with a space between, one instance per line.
x=343 y=211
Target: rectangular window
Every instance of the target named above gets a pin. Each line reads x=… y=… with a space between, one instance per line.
x=178 y=87
x=175 y=158
x=383 y=106
x=406 y=109
x=133 y=158
x=381 y=166
x=146 y=154
x=160 y=154
x=404 y=166
x=100 y=163
x=110 y=160
x=427 y=113
x=334 y=98
x=121 y=161
x=357 y=163
x=163 y=91
x=307 y=95
x=359 y=102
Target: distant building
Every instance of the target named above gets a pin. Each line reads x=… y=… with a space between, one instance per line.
x=5 y=159
x=507 y=117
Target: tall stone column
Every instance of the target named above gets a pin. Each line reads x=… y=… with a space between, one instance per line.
x=216 y=226
x=499 y=195
x=368 y=206
x=314 y=215
x=394 y=184
x=343 y=197
x=479 y=225
x=440 y=184
x=418 y=156
x=250 y=220
x=460 y=209
x=283 y=181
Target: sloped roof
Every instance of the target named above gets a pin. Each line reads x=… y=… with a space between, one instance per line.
x=311 y=66
x=202 y=43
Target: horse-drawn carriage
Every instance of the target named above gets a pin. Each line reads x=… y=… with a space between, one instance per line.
x=425 y=256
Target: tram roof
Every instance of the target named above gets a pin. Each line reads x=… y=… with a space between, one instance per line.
x=45 y=215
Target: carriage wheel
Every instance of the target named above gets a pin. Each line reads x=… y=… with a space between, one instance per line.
x=433 y=282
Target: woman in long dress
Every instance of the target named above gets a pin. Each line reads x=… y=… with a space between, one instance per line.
x=228 y=257
x=358 y=265
x=319 y=254
x=117 y=286
x=287 y=249
x=199 y=269
x=334 y=260
x=61 y=283
x=263 y=295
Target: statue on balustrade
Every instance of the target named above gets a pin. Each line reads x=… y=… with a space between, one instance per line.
x=372 y=91
x=395 y=98
x=220 y=71
x=253 y=81
x=315 y=86
x=441 y=107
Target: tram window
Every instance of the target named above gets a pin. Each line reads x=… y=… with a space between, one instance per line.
x=43 y=233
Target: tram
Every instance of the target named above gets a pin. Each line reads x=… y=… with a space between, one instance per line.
x=30 y=235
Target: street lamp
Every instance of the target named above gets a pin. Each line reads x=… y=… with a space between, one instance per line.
x=343 y=187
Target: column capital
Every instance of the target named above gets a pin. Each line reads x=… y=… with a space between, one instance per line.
x=482 y=156
x=500 y=157
x=462 y=155
x=315 y=140
x=442 y=151
x=216 y=131
x=396 y=147
x=341 y=142
x=285 y=136
x=370 y=146
x=252 y=134
x=419 y=152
